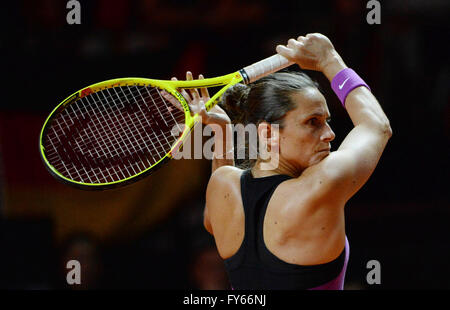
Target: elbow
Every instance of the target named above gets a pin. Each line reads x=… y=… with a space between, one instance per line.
x=387 y=130
x=384 y=128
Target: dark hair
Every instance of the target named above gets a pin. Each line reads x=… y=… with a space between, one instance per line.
x=268 y=99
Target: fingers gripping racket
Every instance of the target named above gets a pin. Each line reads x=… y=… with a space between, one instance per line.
x=118 y=131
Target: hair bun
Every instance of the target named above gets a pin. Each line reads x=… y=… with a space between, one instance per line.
x=234 y=101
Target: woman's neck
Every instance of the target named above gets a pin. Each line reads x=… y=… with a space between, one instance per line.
x=264 y=169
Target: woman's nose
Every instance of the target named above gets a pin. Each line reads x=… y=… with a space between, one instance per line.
x=328 y=135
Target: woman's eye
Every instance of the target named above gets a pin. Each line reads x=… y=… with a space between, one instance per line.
x=313 y=121
x=318 y=122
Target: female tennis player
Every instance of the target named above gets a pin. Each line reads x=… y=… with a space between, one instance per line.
x=283 y=226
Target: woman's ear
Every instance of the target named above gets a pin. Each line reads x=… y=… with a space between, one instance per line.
x=263 y=131
x=269 y=138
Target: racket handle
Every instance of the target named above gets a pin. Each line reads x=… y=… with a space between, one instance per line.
x=264 y=67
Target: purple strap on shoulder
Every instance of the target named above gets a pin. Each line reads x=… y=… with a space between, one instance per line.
x=344 y=82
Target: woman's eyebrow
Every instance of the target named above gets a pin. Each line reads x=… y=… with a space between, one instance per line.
x=318 y=114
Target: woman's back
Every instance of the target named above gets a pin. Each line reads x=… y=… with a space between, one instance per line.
x=288 y=222
x=277 y=250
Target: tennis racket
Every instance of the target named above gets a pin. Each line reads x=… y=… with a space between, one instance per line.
x=116 y=132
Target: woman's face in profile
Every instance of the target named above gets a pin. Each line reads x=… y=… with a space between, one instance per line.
x=306 y=135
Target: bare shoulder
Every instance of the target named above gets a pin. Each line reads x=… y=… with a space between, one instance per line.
x=223 y=197
x=325 y=183
x=227 y=170
x=223 y=183
x=223 y=176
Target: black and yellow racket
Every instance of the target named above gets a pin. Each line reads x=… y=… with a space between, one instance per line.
x=116 y=132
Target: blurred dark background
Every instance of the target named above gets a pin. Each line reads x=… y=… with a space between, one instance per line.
x=149 y=235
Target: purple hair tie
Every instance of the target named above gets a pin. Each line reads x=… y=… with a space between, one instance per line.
x=344 y=82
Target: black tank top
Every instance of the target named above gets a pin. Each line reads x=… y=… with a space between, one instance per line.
x=254 y=266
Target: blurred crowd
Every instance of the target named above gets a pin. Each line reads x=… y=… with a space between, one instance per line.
x=405 y=60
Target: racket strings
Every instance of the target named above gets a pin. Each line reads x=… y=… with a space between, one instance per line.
x=109 y=152
x=112 y=134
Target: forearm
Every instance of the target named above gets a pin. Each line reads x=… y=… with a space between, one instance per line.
x=223 y=148
x=361 y=105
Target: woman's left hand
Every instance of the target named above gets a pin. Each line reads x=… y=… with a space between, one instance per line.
x=196 y=101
